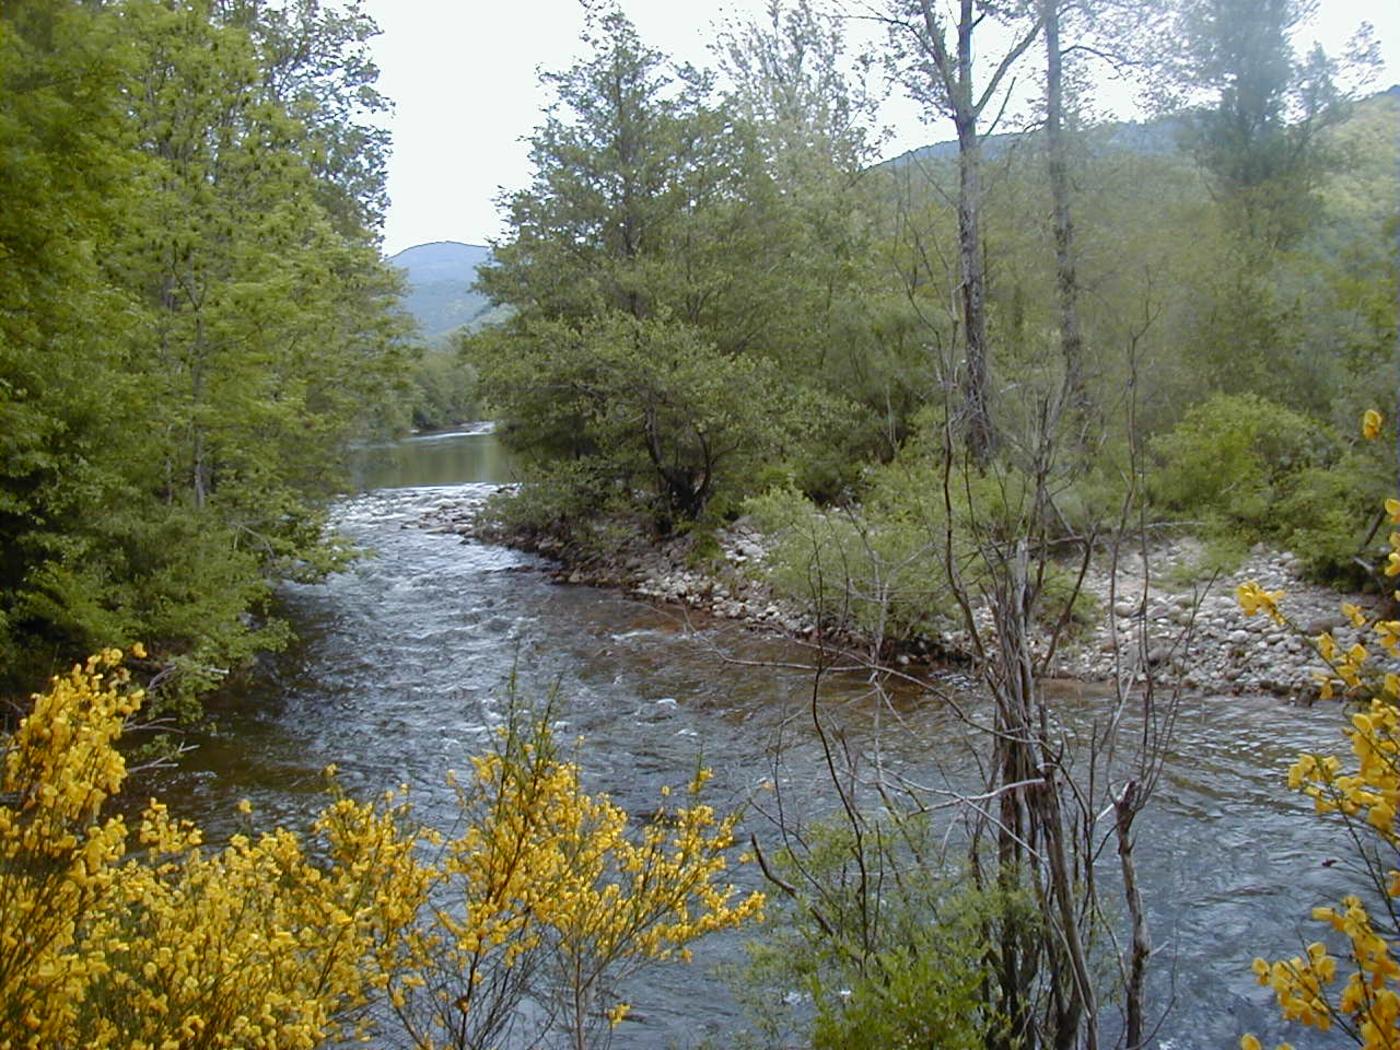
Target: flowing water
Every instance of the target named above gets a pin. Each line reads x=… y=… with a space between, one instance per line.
x=401 y=667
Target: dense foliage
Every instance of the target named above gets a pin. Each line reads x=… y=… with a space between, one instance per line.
x=668 y=268
x=196 y=318
x=930 y=378
x=926 y=378
x=884 y=943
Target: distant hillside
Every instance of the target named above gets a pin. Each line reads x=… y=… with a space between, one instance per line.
x=1153 y=138
x=440 y=293
x=1361 y=195
x=1159 y=137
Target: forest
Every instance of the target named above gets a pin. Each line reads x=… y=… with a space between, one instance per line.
x=944 y=386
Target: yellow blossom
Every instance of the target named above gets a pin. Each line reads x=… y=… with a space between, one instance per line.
x=1388 y=631
x=274 y=940
x=617 y=1013
x=1371 y=423
x=1253 y=598
x=1357 y=988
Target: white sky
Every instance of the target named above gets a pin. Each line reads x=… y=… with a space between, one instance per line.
x=464 y=77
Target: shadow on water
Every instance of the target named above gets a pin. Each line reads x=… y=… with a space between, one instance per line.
x=399 y=674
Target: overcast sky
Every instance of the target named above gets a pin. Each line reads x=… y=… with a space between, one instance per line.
x=464 y=78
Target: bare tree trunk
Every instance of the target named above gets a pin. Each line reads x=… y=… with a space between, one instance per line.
x=946 y=77
x=1125 y=808
x=1066 y=280
x=1080 y=1003
x=981 y=438
x=200 y=465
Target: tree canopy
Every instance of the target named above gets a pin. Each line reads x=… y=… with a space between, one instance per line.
x=190 y=199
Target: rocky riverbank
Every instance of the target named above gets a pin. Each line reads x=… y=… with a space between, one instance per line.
x=1194 y=631
x=728 y=586
x=1197 y=631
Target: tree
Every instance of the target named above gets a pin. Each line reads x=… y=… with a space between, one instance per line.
x=939 y=72
x=646 y=283
x=319 y=69
x=223 y=328
x=269 y=329
x=65 y=389
x=813 y=198
x=1259 y=136
x=1057 y=165
x=618 y=412
x=790 y=83
x=609 y=159
x=1262 y=134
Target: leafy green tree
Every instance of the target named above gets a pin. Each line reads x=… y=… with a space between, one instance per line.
x=444 y=391
x=65 y=330
x=636 y=412
x=203 y=322
x=815 y=198
x=607 y=194
x=319 y=69
x=647 y=266
x=1259 y=136
x=790 y=81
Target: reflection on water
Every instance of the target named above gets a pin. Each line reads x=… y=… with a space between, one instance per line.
x=470 y=453
x=400 y=670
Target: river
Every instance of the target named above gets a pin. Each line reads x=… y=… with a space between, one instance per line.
x=400 y=670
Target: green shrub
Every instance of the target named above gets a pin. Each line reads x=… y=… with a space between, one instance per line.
x=571 y=501
x=1221 y=553
x=858 y=570
x=1324 y=512
x=1229 y=456
x=704 y=551
x=898 y=957
x=443 y=390
x=923 y=993
x=1252 y=471
x=882 y=566
x=997 y=504
x=1058 y=589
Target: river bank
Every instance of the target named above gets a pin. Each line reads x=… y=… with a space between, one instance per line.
x=1149 y=611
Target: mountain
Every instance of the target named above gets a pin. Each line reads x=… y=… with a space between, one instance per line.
x=441 y=295
x=1161 y=136
x=1151 y=138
